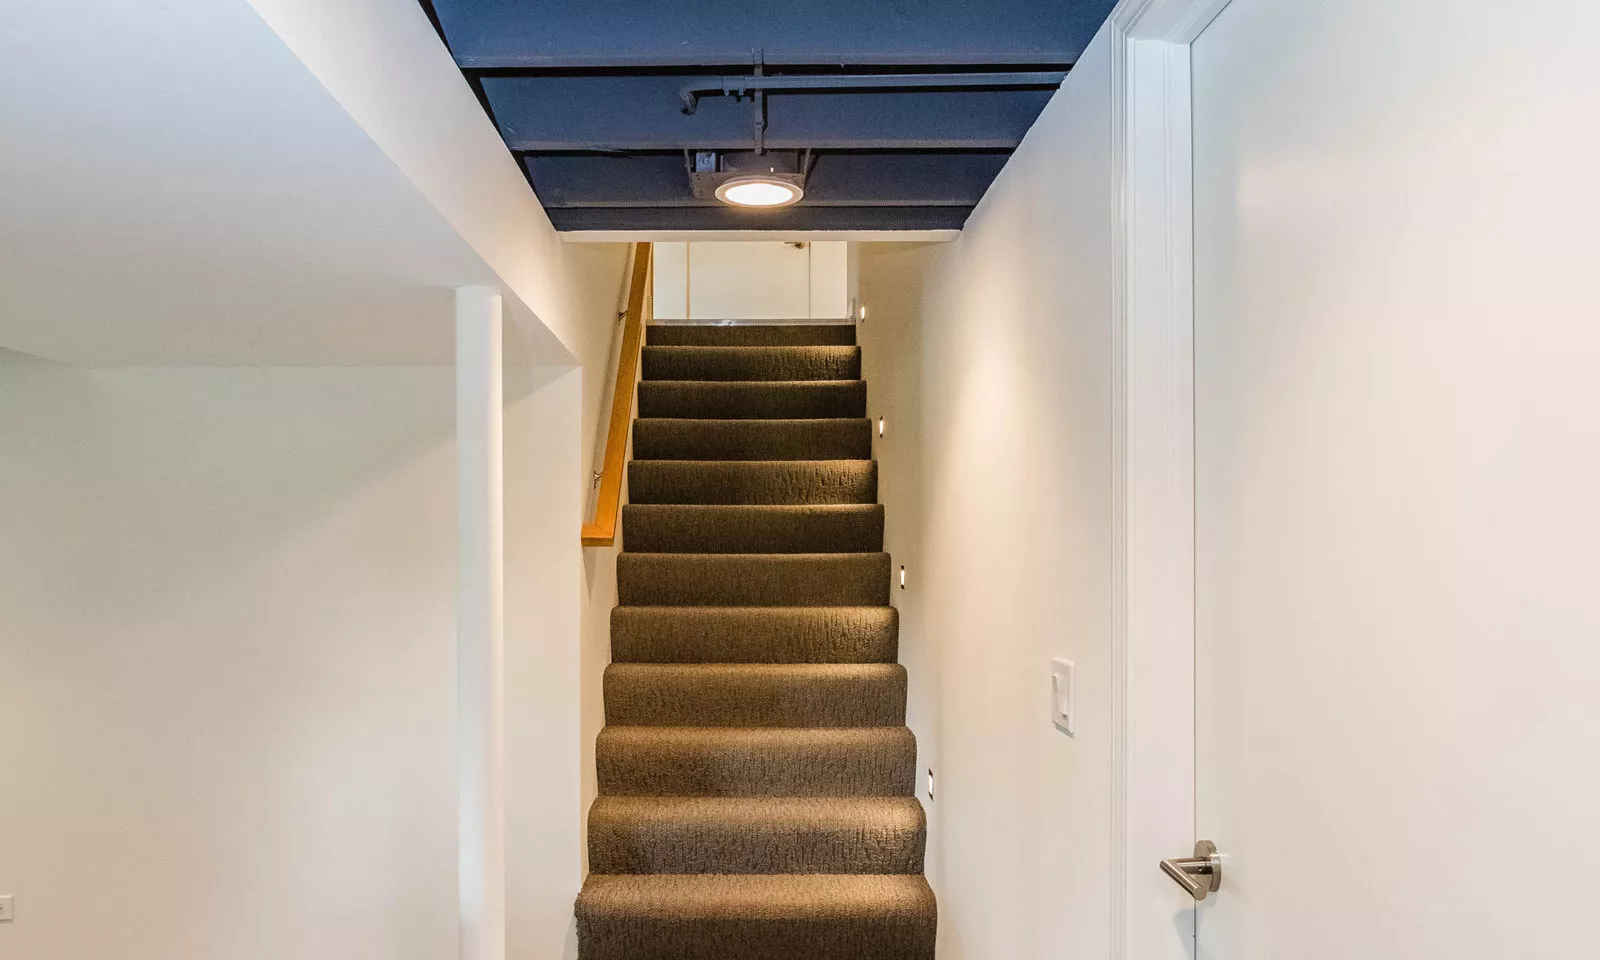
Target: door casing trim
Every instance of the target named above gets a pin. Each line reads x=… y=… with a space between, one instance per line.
x=1153 y=560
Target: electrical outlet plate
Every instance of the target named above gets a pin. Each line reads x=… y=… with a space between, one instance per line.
x=7 y=911
x=1064 y=695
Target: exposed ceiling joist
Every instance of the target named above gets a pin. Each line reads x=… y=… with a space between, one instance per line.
x=642 y=33
x=836 y=180
x=899 y=115
x=553 y=114
x=789 y=218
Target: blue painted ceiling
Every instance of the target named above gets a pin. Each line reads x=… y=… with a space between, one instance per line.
x=589 y=96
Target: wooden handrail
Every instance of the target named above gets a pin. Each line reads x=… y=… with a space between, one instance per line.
x=603 y=531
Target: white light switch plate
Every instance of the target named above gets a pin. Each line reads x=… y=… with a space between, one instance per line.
x=1064 y=695
x=7 y=912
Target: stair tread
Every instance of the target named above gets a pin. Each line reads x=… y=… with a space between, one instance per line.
x=756 y=761
x=724 y=737
x=744 y=423
x=763 y=671
x=756 y=917
x=785 y=558
x=746 y=363
x=756 y=694
x=752 y=399
x=813 y=438
x=740 y=333
x=756 y=523
x=752 y=481
x=753 y=579
x=757 y=835
x=711 y=510
x=746 y=897
x=720 y=634
x=824 y=811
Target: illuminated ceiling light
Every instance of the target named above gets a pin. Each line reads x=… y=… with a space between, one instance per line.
x=759 y=192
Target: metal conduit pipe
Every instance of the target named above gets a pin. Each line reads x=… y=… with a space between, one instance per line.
x=730 y=86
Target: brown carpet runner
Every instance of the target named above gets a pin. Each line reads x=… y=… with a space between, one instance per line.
x=756 y=774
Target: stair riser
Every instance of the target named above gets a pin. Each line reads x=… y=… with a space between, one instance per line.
x=649 y=695
x=752 y=363
x=616 y=847
x=659 y=439
x=755 y=580
x=752 y=401
x=751 y=335
x=735 y=529
x=753 y=917
x=759 y=482
x=754 y=635
x=797 y=765
x=855 y=938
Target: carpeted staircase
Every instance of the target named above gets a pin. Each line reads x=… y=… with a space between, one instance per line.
x=756 y=774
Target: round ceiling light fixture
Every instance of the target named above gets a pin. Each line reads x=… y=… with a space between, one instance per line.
x=756 y=191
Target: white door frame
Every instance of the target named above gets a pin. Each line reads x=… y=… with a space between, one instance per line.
x=1153 y=670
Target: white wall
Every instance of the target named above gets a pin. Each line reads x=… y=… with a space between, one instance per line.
x=312 y=203
x=246 y=220
x=1398 y=437
x=226 y=670
x=545 y=695
x=227 y=694
x=557 y=607
x=227 y=652
x=990 y=359
x=383 y=62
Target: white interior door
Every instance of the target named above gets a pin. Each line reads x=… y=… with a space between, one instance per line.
x=749 y=281
x=753 y=280
x=1397 y=433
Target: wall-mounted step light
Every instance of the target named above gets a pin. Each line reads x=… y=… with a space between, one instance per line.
x=880 y=426
x=902 y=576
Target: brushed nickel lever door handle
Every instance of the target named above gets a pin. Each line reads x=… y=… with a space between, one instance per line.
x=1200 y=875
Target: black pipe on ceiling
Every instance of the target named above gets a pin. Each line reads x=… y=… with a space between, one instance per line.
x=734 y=86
